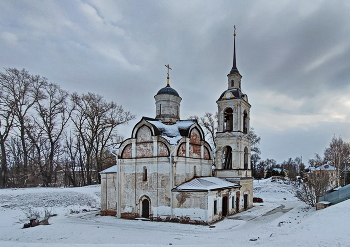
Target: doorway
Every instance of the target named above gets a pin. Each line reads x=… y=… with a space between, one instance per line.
x=237 y=204
x=224 y=206
x=245 y=198
x=145 y=208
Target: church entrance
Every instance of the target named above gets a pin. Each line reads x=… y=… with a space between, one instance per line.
x=145 y=208
x=224 y=206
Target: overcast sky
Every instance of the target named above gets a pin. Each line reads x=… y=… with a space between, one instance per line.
x=294 y=57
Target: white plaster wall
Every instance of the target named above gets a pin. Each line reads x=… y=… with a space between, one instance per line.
x=108 y=191
x=167 y=107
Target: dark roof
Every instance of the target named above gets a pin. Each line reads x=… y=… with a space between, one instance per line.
x=168 y=90
x=235 y=93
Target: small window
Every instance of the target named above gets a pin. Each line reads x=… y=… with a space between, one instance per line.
x=232 y=83
x=215 y=207
x=144 y=173
x=233 y=202
x=195 y=171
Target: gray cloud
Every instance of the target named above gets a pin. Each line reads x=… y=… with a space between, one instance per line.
x=294 y=57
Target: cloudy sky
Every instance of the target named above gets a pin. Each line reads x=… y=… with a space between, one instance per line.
x=294 y=57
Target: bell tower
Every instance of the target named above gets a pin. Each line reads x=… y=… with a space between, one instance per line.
x=232 y=142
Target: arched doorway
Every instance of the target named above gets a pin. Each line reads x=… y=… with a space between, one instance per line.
x=145 y=208
x=224 y=206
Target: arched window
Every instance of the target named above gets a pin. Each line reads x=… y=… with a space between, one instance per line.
x=245 y=158
x=144 y=173
x=245 y=122
x=227 y=158
x=228 y=119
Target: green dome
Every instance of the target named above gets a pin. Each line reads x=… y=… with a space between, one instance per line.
x=168 y=90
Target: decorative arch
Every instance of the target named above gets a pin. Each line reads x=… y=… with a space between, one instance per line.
x=227 y=158
x=195 y=136
x=245 y=158
x=181 y=151
x=228 y=119
x=126 y=153
x=144 y=142
x=195 y=143
x=144 y=134
x=206 y=154
x=163 y=150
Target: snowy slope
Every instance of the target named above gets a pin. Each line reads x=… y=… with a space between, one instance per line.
x=281 y=220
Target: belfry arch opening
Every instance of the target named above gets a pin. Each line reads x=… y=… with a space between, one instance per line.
x=245 y=122
x=245 y=158
x=227 y=158
x=228 y=119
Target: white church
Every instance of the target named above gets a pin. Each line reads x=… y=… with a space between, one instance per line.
x=165 y=171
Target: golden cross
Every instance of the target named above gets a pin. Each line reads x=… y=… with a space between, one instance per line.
x=168 y=69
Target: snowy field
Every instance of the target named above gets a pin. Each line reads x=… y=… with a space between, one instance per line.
x=281 y=220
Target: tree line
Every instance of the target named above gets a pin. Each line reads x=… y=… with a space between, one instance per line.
x=49 y=136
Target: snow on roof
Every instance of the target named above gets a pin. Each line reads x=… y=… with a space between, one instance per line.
x=324 y=167
x=172 y=132
x=112 y=169
x=206 y=183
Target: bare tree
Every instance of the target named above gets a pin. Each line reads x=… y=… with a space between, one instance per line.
x=95 y=122
x=316 y=161
x=6 y=124
x=254 y=141
x=337 y=155
x=315 y=186
x=291 y=167
x=54 y=113
x=22 y=90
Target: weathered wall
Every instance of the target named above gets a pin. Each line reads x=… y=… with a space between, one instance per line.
x=167 y=107
x=134 y=186
x=218 y=195
x=108 y=193
x=190 y=207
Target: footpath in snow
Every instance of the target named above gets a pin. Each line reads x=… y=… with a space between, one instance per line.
x=281 y=220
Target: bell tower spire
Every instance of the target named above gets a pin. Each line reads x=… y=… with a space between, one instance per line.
x=234 y=77
x=234 y=66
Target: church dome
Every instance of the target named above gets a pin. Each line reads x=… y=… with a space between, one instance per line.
x=168 y=90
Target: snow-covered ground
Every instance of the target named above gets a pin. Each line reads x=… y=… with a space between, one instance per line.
x=281 y=220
